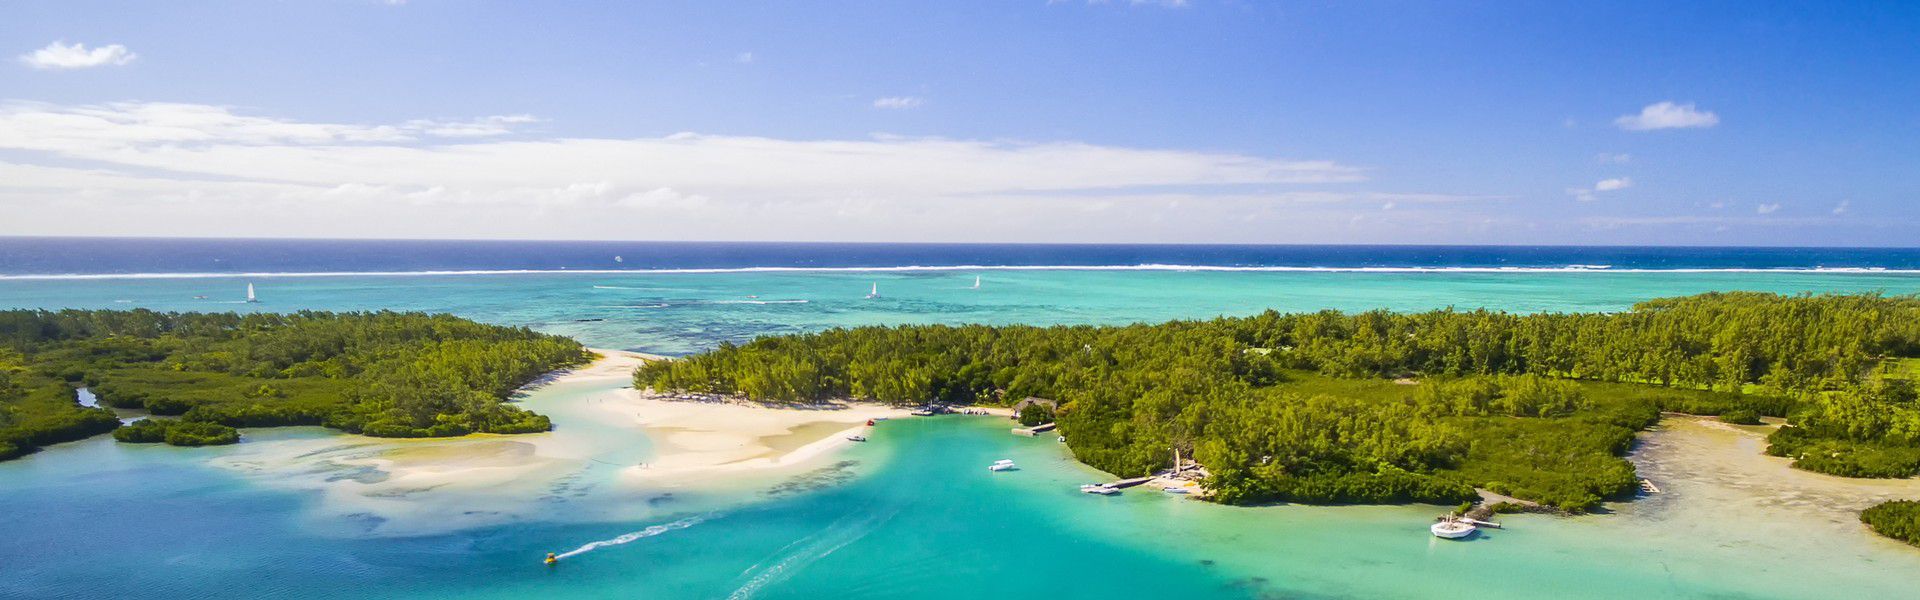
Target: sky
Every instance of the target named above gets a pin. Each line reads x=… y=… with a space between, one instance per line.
x=1195 y=121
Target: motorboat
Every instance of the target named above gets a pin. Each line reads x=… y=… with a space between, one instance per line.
x=1001 y=465
x=856 y=438
x=1099 y=488
x=1175 y=489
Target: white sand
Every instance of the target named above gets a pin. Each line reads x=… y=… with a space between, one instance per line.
x=612 y=449
x=718 y=437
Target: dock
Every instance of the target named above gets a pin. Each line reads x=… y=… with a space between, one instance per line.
x=1127 y=483
x=1479 y=523
x=1034 y=430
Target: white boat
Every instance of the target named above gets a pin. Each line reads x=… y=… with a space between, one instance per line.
x=1174 y=489
x=1001 y=465
x=856 y=438
x=250 y=297
x=1452 y=529
x=976 y=282
x=875 y=293
x=1099 y=488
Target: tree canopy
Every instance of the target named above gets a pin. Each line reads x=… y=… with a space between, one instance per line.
x=378 y=373
x=1303 y=407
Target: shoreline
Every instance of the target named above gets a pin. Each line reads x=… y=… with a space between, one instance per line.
x=613 y=455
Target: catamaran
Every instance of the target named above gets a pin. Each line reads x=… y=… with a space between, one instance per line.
x=250 y=296
x=875 y=293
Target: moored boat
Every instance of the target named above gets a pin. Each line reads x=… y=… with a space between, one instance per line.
x=1452 y=529
x=1099 y=488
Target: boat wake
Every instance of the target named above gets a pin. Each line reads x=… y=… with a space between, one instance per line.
x=636 y=535
x=805 y=551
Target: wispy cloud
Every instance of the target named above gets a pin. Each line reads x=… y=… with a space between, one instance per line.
x=1667 y=115
x=1606 y=158
x=1842 y=207
x=1589 y=194
x=1767 y=209
x=210 y=170
x=60 y=55
x=743 y=58
x=899 y=102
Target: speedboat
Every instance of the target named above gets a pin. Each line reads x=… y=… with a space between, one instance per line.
x=1001 y=465
x=1099 y=488
x=856 y=438
x=1452 y=529
x=1174 y=489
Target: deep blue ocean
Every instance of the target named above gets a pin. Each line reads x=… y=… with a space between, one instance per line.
x=131 y=256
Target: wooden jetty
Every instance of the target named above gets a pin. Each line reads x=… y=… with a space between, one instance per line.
x=1127 y=483
x=1480 y=523
x=1034 y=430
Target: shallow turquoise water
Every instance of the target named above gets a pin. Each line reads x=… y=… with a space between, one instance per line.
x=684 y=312
x=912 y=514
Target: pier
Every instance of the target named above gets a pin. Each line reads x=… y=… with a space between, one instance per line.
x=1127 y=483
x=1034 y=430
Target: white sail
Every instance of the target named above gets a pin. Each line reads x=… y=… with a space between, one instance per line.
x=250 y=297
x=876 y=291
x=976 y=282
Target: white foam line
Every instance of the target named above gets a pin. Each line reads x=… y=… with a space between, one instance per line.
x=631 y=536
x=938 y=268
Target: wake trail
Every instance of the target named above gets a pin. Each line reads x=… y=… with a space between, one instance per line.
x=810 y=549
x=635 y=535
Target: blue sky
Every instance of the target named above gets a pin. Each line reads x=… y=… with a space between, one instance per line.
x=1203 y=121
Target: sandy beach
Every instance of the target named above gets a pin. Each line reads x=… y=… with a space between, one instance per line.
x=615 y=453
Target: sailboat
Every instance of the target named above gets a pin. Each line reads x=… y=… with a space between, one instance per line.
x=876 y=291
x=250 y=297
x=976 y=282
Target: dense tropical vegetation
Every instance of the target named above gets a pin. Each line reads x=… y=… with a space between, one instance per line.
x=381 y=373
x=1386 y=407
x=1898 y=519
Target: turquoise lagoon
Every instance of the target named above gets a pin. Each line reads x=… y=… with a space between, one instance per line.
x=913 y=513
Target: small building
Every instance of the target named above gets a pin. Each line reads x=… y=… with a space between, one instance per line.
x=1052 y=406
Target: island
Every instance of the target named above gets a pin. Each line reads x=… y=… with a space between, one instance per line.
x=1385 y=407
x=202 y=375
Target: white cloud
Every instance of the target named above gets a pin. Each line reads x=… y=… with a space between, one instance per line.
x=743 y=58
x=59 y=55
x=1841 y=208
x=1667 y=115
x=1589 y=194
x=1767 y=209
x=481 y=127
x=898 y=102
x=1617 y=183
x=189 y=169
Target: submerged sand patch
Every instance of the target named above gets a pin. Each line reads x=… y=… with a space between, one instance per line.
x=614 y=454
x=1707 y=468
